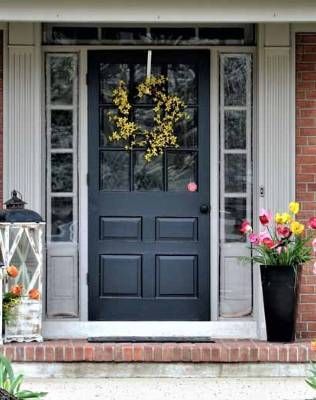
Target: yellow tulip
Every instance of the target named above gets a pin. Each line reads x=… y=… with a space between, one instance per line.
x=294 y=207
x=287 y=219
x=297 y=228
x=278 y=218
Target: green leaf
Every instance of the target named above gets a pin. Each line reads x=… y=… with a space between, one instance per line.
x=27 y=394
x=16 y=384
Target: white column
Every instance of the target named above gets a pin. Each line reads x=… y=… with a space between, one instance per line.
x=276 y=120
x=22 y=138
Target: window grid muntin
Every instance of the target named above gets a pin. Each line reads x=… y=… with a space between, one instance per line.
x=73 y=150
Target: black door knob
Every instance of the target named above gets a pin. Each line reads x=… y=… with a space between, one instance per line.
x=204 y=208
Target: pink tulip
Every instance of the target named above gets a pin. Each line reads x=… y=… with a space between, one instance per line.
x=264 y=235
x=314 y=268
x=254 y=238
x=268 y=243
x=312 y=222
x=245 y=227
x=265 y=216
x=283 y=231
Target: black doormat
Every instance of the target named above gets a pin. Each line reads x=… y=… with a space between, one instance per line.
x=150 y=339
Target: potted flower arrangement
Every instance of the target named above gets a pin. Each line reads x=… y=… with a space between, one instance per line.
x=280 y=248
x=21 y=310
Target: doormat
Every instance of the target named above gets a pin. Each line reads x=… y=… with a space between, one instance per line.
x=150 y=339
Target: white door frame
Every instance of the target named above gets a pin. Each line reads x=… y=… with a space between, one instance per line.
x=244 y=327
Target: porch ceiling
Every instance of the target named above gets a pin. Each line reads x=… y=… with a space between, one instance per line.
x=141 y=11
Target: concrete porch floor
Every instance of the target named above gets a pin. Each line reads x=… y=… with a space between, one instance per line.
x=174 y=389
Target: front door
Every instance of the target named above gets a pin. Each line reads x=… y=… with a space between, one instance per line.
x=148 y=231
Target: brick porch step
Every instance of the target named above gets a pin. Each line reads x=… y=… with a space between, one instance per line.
x=222 y=351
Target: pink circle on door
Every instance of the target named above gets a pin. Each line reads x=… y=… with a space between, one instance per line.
x=192 y=187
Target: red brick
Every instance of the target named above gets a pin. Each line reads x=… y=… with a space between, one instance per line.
x=127 y=351
x=139 y=352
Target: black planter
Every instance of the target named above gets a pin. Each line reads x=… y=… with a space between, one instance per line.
x=279 y=286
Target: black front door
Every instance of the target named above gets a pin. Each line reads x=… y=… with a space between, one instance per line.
x=149 y=222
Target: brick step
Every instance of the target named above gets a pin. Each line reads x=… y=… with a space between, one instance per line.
x=222 y=351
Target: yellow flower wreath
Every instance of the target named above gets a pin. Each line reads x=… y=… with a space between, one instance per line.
x=168 y=110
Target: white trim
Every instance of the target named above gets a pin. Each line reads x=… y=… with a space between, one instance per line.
x=215 y=329
x=158 y=12
x=83 y=188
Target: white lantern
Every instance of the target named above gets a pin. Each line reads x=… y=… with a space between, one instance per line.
x=21 y=245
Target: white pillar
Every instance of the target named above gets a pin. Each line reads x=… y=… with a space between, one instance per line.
x=22 y=136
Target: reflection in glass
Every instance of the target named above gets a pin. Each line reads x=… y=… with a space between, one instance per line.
x=62 y=71
x=235 y=213
x=147 y=175
x=110 y=75
x=235 y=130
x=114 y=170
x=182 y=81
x=107 y=128
x=123 y=35
x=182 y=169
x=144 y=117
x=235 y=173
x=235 y=81
x=62 y=219
x=61 y=129
x=62 y=172
x=186 y=129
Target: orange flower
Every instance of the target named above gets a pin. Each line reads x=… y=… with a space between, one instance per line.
x=313 y=345
x=34 y=294
x=16 y=290
x=12 y=271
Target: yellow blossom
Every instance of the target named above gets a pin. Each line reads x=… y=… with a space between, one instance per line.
x=283 y=218
x=297 y=228
x=294 y=207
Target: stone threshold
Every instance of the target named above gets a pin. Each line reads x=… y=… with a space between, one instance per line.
x=222 y=351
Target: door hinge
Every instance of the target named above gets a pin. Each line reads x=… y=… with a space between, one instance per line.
x=87 y=79
x=87 y=277
x=261 y=191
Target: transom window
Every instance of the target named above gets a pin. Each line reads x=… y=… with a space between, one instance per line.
x=229 y=34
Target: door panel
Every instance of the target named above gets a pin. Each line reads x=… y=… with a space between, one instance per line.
x=148 y=240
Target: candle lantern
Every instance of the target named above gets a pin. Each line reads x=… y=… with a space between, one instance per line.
x=21 y=246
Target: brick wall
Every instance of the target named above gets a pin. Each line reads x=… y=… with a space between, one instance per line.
x=306 y=169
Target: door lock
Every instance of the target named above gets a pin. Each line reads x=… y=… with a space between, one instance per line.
x=204 y=208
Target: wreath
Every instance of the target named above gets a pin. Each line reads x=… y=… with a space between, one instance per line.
x=168 y=110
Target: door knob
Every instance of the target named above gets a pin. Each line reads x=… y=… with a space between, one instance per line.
x=204 y=208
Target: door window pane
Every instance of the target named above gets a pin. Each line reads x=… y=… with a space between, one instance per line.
x=62 y=172
x=235 y=213
x=62 y=72
x=140 y=71
x=235 y=129
x=182 y=81
x=235 y=173
x=110 y=75
x=187 y=129
x=62 y=229
x=147 y=175
x=236 y=71
x=61 y=129
x=107 y=128
x=115 y=170
x=182 y=170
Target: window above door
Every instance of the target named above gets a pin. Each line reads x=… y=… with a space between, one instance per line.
x=206 y=35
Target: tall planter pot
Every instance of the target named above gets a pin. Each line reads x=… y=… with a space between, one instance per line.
x=279 y=287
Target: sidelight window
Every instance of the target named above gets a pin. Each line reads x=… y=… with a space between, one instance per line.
x=61 y=119
x=235 y=182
